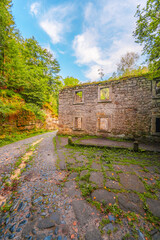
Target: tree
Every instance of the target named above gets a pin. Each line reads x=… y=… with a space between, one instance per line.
x=101 y=73
x=70 y=81
x=127 y=63
x=41 y=78
x=26 y=67
x=148 y=31
x=6 y=31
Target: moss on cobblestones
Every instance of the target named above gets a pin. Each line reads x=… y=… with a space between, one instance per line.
x=127 y=162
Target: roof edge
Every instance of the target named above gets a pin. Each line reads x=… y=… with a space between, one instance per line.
x=146 y=75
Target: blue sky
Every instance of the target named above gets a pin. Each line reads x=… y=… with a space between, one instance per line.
x=83 y=35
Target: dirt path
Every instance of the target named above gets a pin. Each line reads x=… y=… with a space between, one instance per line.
x=45 y=202
x=10 y=153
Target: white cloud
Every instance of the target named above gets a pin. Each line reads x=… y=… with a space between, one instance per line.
x=56 y=22
x=106 y=31
x=106 y=36
x=34 y=8
x=85 y=49
x=113 y=55
x=53 y=29
x=61 y=52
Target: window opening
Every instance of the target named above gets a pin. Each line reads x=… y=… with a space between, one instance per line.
x=104 y=94
x=78 y=96
x=157 y=125
x=103 y=124
x=158 y=88
x=78 y=123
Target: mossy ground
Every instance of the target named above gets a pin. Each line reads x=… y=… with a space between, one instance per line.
x=111 y=163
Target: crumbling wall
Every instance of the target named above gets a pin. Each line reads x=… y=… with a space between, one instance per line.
x=128 y=112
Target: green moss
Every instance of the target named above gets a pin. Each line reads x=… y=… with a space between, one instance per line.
x=6 y=207
x=86 y=189
x=114 y=157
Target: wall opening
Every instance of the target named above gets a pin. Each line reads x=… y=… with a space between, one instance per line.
x=104 y=94
x=103 y=124
x=157 y=86
x=78 y=123
x=78 y=97
x=157 y=125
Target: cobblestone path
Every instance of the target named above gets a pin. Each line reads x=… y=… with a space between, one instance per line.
x=39 y=206
x=47 y=202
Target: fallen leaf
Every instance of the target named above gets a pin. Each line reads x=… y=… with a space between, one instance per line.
x=75 y=229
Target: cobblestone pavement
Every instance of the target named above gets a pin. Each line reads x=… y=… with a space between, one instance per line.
x=123 y=185
x=72 y=193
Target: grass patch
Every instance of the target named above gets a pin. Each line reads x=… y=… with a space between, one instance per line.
x=17 y=136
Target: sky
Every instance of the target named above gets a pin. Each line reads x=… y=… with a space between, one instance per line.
x=84 y=36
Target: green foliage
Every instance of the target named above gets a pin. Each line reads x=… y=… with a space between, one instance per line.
x=79 y=94
x=148 y=32
x=70 y=142
x=6 y=30
x=10 y=102
x=35 y=109
x=126 y=236
x=16 y=136
x=70 y=81
x=6 y=109
x=25 y=67
x=85 y=177
x=109 y=232
x=18 y=162
x=104 y=93
x=7 y=93
x=127 y=63
x=35 y=71
x=6 y=207
x=86 y=189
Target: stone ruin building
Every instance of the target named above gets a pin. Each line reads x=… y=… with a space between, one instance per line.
x=118 y=108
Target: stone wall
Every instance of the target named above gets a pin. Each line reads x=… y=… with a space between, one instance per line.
x=130 y=110
x=51 y=121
